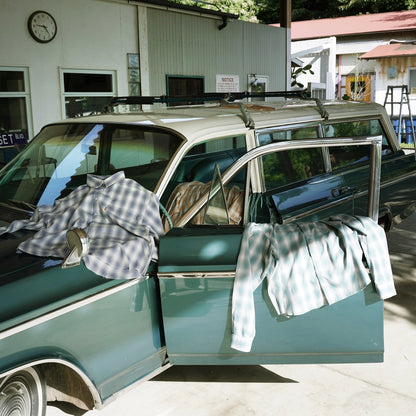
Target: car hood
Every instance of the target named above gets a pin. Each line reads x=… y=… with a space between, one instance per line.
x=31 y=286
x=14 y=263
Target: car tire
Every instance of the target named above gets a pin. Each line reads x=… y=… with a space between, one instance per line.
x=23 y=394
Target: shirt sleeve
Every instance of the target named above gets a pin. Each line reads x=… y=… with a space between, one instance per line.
x=251 y=264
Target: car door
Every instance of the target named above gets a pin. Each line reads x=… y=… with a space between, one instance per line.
x=197 y=268
x=397 y=191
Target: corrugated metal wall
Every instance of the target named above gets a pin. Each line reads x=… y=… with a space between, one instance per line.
x=181 y=44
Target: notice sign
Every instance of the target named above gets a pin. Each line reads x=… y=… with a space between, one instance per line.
x=228 y=83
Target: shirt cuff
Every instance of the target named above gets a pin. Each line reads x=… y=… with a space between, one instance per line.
x=241 y=343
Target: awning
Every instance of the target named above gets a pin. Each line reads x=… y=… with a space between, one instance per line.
x=390 y=50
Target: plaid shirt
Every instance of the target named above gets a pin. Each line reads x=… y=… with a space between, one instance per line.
x=120 y=217
x=307 y=266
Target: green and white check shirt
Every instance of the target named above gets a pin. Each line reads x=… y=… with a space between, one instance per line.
x=307 y=265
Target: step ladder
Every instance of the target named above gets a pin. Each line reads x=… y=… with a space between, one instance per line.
x=391 y=99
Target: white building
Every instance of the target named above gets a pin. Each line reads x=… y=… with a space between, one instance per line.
x=61 y=58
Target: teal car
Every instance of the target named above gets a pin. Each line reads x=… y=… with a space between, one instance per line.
x=69 y=335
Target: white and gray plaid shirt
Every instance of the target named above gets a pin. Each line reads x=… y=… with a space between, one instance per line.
x=121 y=219
x=307 y=265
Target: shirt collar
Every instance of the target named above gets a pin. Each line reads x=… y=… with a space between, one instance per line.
x=98 y=181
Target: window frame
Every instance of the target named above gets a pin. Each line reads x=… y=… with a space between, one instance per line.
x=255 y=154
x=21 y=94
x=64 y=94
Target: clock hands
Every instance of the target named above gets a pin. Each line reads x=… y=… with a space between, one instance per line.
x=45 y=27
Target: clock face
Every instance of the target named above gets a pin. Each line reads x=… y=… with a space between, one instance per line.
x=42 y=26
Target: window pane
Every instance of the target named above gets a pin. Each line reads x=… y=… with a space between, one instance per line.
x=347 y=155
x=80 y=82
x=192 y=179
x=184 y=86
x=84 y=106
x=13 y=117
x=53 y=165
x=283 y=135
x=143 y=155
x=283 y=168
x=12 y=81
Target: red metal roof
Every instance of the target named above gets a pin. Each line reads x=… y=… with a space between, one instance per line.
x=354 y=25
x=393 y=49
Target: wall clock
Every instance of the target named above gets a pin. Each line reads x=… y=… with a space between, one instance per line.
x=42 y=26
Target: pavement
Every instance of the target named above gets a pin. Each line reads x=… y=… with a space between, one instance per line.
x=382 y=389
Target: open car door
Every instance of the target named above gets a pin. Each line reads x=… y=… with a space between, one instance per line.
x=197 y=268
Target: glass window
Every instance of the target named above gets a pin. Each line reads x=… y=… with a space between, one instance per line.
x=15 y=123
x=85 y=92
x=58 y=161
x=346 y=155
x=283 y=168
x=192 y=179
x=12 y=81
x=179 y=86
x=412 y=80
x=142 y=154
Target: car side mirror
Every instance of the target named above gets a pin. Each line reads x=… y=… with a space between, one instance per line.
x=78 y=244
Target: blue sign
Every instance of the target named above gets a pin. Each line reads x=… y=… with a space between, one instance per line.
x=13 y=138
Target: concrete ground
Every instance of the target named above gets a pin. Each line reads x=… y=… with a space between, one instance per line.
x=384 y=389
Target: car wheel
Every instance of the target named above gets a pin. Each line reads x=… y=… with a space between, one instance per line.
x=23 y=394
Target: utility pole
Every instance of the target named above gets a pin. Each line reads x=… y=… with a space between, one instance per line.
x=286 y=22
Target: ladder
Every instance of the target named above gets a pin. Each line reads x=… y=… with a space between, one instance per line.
x=404 y=99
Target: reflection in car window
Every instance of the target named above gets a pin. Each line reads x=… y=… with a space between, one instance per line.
x=346 y=155
x=283 y=168
x=283 y=135
x=62 y=155
x=142 y=154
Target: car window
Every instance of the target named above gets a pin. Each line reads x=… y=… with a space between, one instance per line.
x=347 y=155
x=193 y=176
x=142 y=154
x=62 y=155
x=283 y=168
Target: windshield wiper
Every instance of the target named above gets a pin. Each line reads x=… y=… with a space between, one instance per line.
x=22 y=204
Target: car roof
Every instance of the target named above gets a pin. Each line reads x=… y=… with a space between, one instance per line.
x=203 y=121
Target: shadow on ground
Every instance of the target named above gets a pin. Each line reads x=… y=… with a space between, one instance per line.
x=402 y=248
x=221 y=374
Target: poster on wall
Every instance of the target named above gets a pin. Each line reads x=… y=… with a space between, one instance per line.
x=227 y=83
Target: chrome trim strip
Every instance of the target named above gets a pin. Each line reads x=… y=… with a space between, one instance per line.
x=68 y=308
x=130 y=387
x=196 y=275
x=281 y=354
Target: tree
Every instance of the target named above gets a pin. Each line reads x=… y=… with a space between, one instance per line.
x=352 y=7
x=245 y=9
x=268 y=11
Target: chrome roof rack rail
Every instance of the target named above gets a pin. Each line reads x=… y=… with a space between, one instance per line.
x=195 y=99
x=224 y=98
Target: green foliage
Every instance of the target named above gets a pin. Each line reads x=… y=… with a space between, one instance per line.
x=298 y=71
x=268 y=11
x=245 y=9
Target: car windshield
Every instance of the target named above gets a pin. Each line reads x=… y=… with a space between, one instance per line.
x=59 y=158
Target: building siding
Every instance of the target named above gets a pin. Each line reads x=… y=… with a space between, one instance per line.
x=193 y=46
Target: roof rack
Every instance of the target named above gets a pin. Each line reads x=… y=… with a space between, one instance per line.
x=205 y=97
x=227 y=98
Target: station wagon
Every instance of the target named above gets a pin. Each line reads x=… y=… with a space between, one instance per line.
x=70 y=335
